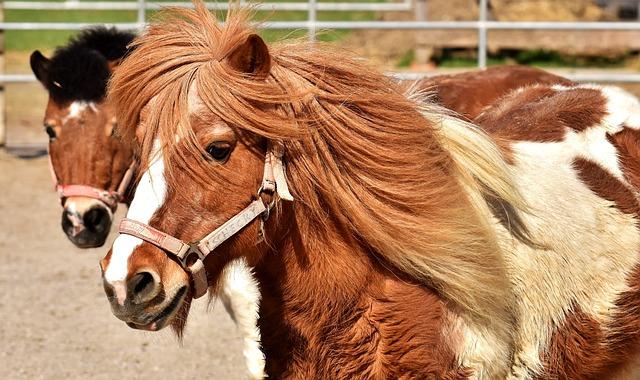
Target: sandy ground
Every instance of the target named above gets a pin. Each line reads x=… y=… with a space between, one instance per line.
x=55 y=322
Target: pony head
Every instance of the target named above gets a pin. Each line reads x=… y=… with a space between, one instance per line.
x=88 y=160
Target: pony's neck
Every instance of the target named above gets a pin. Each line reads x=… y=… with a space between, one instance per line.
x=329 y=309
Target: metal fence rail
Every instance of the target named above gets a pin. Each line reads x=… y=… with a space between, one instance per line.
x=482 y=25
x=405 y=5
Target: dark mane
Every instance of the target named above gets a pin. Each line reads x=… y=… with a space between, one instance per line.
x=79 y=70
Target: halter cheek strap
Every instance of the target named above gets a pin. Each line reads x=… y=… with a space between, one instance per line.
x=273 y=181
x=185 y=251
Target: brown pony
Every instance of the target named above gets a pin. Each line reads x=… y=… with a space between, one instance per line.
x=399 y=241
x=88 y=161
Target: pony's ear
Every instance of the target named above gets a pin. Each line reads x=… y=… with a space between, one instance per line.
x=251 y=57
x=113 y=64
x=40 y=66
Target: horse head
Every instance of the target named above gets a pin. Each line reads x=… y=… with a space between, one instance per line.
x=90 y=164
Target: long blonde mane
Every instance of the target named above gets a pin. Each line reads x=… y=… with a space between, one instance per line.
x=403 y=178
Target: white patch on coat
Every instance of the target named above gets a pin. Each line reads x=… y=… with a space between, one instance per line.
x=240 y=295
x=591 y=243
x=149 y=196
x=623 y=109
x=591 y=246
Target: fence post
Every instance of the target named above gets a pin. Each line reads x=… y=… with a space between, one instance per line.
x=142 y=12
x=482 y=34
x=422 y=52
x=311 y=19
x=3 y=125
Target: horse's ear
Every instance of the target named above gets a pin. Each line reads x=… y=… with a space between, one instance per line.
x=40 y=66
x=113 y=64
x=251 y=57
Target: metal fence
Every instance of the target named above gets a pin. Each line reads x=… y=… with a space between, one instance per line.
x=312 y=24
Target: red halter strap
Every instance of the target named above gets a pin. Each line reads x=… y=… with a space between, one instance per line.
x=109 y=197
x=273 y=181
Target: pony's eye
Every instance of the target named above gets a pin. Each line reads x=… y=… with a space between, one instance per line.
x=50 y=131
x=219 y=151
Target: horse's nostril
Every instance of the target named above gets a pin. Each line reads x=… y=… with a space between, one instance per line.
x=143 y=286
x=96 y=219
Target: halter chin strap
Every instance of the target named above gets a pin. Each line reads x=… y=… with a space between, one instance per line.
x=109 y=197
x=191 y=255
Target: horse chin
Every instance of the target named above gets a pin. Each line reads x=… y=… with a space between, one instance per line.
x=88 y=241
x=173 y=313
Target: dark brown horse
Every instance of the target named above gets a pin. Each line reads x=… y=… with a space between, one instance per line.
x=90 y=165
x=398 y=241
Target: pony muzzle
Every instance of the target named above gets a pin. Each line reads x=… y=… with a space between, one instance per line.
x=86 y=221
x=146 y=294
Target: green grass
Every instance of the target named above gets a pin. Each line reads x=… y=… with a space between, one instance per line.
x=48 y=39
x=538 y=58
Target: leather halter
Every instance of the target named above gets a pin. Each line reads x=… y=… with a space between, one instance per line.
x=109 y=197
x=273 y=182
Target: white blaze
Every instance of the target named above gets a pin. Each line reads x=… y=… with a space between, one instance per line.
x=76 y=109
x=149 y=196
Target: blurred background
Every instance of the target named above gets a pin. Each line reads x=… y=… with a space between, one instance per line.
x=588 y=40
x=55 y=322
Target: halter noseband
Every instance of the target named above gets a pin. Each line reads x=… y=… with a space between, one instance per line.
x=109 y=197
x=273 y=181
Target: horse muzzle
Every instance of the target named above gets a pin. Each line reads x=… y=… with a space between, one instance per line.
x=143 y=303
x=86 y=222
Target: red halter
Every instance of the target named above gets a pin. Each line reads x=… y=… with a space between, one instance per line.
x=109 y=197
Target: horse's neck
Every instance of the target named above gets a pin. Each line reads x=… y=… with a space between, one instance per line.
x=331 y=312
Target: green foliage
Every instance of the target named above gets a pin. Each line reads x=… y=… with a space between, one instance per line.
x=406 y=60
x=539 y=58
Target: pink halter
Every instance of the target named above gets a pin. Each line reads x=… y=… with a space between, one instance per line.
x=274 y=181
x=109 y=197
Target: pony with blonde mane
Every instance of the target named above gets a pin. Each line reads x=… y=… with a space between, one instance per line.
x=388 y=238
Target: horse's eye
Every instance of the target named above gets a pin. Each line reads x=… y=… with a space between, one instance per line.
x=219 y=151
x=50 y=131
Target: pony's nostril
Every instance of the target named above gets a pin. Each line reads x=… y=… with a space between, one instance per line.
x=143 y=286
x=96 y=219
x=144 y=279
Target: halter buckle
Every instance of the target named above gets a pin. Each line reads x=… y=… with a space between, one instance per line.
x=193 y=248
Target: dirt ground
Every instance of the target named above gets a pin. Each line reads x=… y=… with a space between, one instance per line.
x=55 y=322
